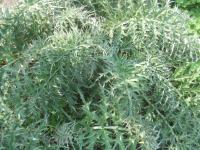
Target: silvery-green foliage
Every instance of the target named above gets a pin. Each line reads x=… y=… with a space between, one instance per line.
x=97 y=80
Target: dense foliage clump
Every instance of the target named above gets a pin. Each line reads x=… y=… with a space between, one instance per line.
x=193 y=7
x=98 y=75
